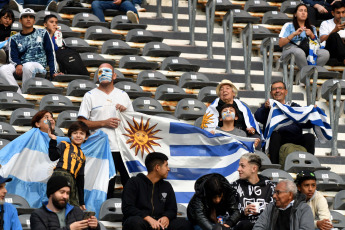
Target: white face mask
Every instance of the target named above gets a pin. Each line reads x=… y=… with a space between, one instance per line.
x=226 y=114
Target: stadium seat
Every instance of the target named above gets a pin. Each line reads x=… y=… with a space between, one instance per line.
x=142 y=36
x=327 y=85
x=136 y=62
x=67 y=7
x=259 y=6
x=298 y=161
x=56 y=103
x=12 y=100
x=194 y=80
x=329 y=181
x=59 y=132
x=225 y=5
x=119 y=77
x=66 y=118
x=21 y=204
x=338 y=220
x=153 y=78
x=275 y=175
x=16 y=26
x=22 y=116
x=167 y=115
x=207 y=94
x=288 y=7
x=70 y=77
x=112 y=12
x=16 y=15
x=41 y=14
x=5 y=86
x=94 y=60
x=133 y=90
x=178 y=64
x=118 y=47
x=322 y=72
x=7 y=131
x=242 y=16
x=266 y=162
x=159 y=49
x=121 y=22
x=102 y=226
x=3 y=143
x=68 y=32
x=260 y=32
x=275 y=18
x=189 y=109
x=85 y=20
x=148 y=105
x=80 y=45
x=339 y=200
x=111 y=210
x=198 y=122
x=100 y=33
x=170 y=92
x=79 y=87
x=35 y=7
x=25 y=221
x=181 y=211
x=40 y=86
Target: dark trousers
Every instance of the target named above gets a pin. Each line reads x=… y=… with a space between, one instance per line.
x=336 y=47
x=277 y=140
x=138 y=223
x=120 y=167
x=314 y=15
x=244 y=225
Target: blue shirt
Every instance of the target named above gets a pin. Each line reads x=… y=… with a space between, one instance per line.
x=289 y=28
x=11 y=220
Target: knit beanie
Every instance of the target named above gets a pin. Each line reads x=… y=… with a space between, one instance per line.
x=55 y=183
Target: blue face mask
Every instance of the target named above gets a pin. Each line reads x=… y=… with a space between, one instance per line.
x=226 y=114
x=105 y=74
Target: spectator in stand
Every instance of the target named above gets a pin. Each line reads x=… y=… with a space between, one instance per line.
x=254 y=191
x=333 y=34
x=40 y=120
x=123 y=5
x=50 y=22
x=6 y=21
x=306 y=184
x=318 y=10
x=292 y=35
x=18 y=4
x=30 y=51
x=289 y=211
x=214 y=203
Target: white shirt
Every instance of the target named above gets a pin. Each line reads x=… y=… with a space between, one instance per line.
x=97 y=106
x=327 y=27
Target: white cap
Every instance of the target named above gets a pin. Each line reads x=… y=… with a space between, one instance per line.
x=27 y=11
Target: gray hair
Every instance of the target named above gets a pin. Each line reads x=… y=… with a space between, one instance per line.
x=252 y=158
x=290 y=186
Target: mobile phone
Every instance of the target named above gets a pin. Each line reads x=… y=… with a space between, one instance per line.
x=88 y=215
x=342 y=20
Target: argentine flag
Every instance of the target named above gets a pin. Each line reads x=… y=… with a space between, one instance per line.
x=27 y=162
x=192 y=152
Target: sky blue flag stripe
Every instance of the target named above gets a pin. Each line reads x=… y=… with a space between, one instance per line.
x=182 y=128
x=203 y=150
x=183 y=197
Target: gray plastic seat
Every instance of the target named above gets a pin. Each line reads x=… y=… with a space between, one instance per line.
x=190 y=109
x=40 y=86
x=5 y=86
x=275 y=18
x=338 y=220
x=112 y=12
x=170 y=92
x=41 y=14
x=328 y=84
x=258 y=6
x=21 y=204
x=79 y=87
x=242 y=16
x=198 y=122
x=142 y=36
x=288 y=7
x=24 y=220
x=85 y=20
x=69 y=7
x=94 y=60
x=16 y=26
x=178 y=64
x=102 y=226
x=59 y=132
x=148 y=105
x=153 y=78
x=56 y=103
x=118 y=47
x=111 y=210
x=321 y=73
x=159 y=49
x=3 y=143
x=16 y=15
x=133 y=90
x=329 y=181
x=194 y=80
x=121 y=22
x=100 y=33
x=70 y=77
x=207 y=94
x=80 y=45
x=22 y=116
x=260 y=33
x=225 y=5
x=66 y=118
x=266 y=162
x=68 y=32
x=181 y=211
x=167 y=115
x=35 y=7
x=7 y=131
x=275 y=175
x=298 y=161
x=12 y=100
x=136 y=62
x=339 y=200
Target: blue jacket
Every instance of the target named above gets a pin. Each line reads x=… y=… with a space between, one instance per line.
x=11 y=220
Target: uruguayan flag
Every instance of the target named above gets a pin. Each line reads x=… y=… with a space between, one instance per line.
x=27 y=162
x=282 y=115
x=192 y=151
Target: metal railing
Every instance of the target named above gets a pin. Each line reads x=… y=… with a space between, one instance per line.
x=174 y=12
x=159 y=9
x=311 y=91
x=334 y=113
x=267 y=45
x=192 y=15
x=247 y=38
x=228 y=22
x=210 y=14
x=288 y=75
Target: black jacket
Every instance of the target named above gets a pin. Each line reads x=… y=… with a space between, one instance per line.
x=142 y=198
x=198 y=210
x=5 y=32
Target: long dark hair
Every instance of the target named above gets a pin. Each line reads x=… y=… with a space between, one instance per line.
x=213 y=187
x=306 y=23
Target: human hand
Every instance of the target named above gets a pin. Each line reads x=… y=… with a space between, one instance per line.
x=256 y=142
x=324 y=224
x=56 y=74
x=164 y=221
x=79 y=225
x=117 y=2
x=19 y=70
x=298 y=31
x=111 y=123
x=250 y=130
x=82 y=207
x=309 y=33
x=321 y=9
x=267 y=104
x=51 y=135
x=153 y=223
x=338 y=27
x=121 y=108
x=227 y=226
x=335 y=1
x=92 y=222
x=250 y=209
x=213 y=132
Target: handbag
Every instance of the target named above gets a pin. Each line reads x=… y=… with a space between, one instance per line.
x=304 y=45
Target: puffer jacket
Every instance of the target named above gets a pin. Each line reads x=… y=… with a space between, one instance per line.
x=198 y=210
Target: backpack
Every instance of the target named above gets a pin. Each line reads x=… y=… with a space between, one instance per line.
x=288 y=148
x=70 y=61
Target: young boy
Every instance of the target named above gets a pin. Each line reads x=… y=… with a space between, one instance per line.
x=50 y=23
x=71 y=158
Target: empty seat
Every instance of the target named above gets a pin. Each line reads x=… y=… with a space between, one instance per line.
x=148 y=105
x=80 y=45
x=329 y=181
x=133 y=90
x=339 y=200
x=242 y=16
x=170 y=92
x=71 y=7
x=85 y=20
x=259 y=6
x=322 y=72
x=7 y=131
x=68 y=32
x=118 y=47
x=56 y=103
x=12 y=100
x=3 y=143
x=207 y=94
x=79 y=87
x=21 y=204
x=100 y=33
x=24 y=220
x=298 y=161
x=178 y=64
x=16 y=26
x=327 y=85
x=22 y=116
x=159 y=49
x=275 y=175
x=41 y=14
x=198 y=122
x=94 y=59
x=111 y=210
x=142 y=36
x=59 y=132
x=275 y=18
x=121 y=22
x=40 y=86
x=70 y=77
x=16 y=15
x=66 y=118
x=225 y=5
x=5 y=86
x=260 y=32
x=266 y=162
x=167 y=115
x=35 y=7
x=153 y=78
x=136 y=62
x=338 y=220
x=194 y=80
x=190 y=109
x=288 y=7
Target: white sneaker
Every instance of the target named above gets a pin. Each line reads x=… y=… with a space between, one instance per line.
x=139 y=8
x=13 y=5
x=133 y=17
x=52 y=6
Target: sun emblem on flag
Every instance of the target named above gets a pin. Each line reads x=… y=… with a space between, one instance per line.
x=142 y=136
x=206 y=119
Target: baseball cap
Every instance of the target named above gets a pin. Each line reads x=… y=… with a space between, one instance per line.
x=226 y=82
x=4 y=179
x=27 y=11
x=304 y=175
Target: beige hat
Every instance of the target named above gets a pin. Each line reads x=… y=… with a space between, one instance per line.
x=227 y=82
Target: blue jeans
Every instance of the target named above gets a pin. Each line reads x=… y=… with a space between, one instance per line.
x=37 y=2
x=136 y=2
x=99 y=6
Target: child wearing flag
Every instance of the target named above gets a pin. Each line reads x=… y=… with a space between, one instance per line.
x=71 y=160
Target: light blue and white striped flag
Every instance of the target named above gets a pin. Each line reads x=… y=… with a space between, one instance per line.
x=192 y=151
x=282 y=115
x=27 y=162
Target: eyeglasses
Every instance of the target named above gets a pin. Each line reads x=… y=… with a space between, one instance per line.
x=279 y=192
x=276 y=88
